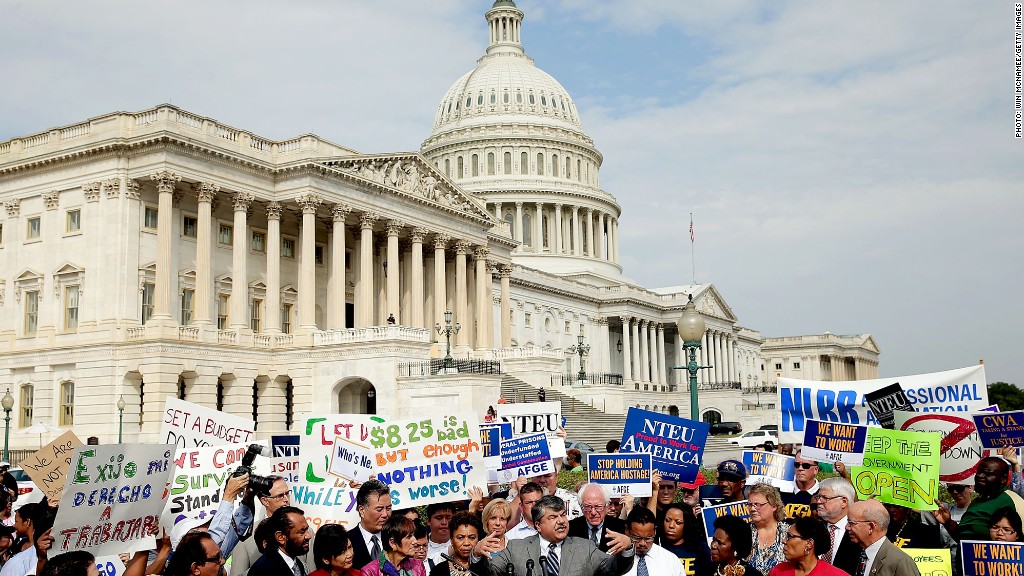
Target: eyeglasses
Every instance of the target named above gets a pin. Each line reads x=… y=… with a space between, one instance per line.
x=1002 y=530
x=647 y=539
x=787 y=537
x=757 y=505
x=819 y=497
x=856 y=522
x=284 y=494
x=804 y=465
x=594 y=508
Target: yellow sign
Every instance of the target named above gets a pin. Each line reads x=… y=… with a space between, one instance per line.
x=932 y=561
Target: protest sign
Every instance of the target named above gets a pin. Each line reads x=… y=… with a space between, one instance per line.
x=112 y=499
x=197 y=483
x=350 y=460
x=1000 y=429
x=886 y=399
x=285 y=459
x=316 y=442
x=899 y=468
x=770 y=468
x=931 y=561
x=535 y=418
x=524 y=456
x=621 y=473
x=961 y=390
x=960 y=449
x=48 y=466
x=429 y=460
x=675 y=444
x=992 y=408
x=982 y=558
x=325 y=504
x=491 y=436
x=189 y=425
x=110 y=566
x=831 y=442
x=710 y=513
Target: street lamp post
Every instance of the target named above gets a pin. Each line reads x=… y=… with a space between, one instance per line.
x=120 y=417
x=448 y=330
x=691 y=330
x=581 y=349
x=8 y=404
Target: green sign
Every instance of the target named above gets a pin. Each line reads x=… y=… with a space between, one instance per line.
x=900 y=467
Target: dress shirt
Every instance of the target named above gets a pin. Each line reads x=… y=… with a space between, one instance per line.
x=368 y=538
x=872 y=551
x=225 y=532
x=21 y=564
x=435 y=550
x=288 y=560
x=519 y=531
x=544 y=548
x=660 y=562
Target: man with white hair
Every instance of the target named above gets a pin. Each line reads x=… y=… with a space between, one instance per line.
x=594 y=500
x=832 y=501
x=867 y=525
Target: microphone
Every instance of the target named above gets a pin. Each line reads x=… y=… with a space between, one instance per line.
x=544 y=565
x=510 y=570
x=529 y=567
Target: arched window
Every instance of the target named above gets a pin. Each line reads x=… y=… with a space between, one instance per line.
x=527 y=228
x=544 y=229
x=524 y=163
x=579 y=170
x=511 y=224
x=460 y=172
x=494 y=98
x=554 y=165
x=447 y=168
x=712 y=417
x=474 y=162
x=540 y=163
x=568 y=168
x=67 y=404
x=480 y=99
x=490 y=163
x=519 y=97
x=504 y=97
x=27 y=406
x=583 y=234
x=508 y=163
x=533 y=99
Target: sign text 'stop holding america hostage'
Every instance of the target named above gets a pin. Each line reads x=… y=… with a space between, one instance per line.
x=961 y=390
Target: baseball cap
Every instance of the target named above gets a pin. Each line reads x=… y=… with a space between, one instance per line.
x=732 y=470
x=698 y=482
x=185 y=526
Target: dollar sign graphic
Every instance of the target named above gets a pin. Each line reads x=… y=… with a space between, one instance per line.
x=378 y=437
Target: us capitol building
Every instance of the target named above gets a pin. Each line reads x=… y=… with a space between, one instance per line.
x=161 y=253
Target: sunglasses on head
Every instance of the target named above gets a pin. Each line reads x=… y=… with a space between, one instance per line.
x=804 y=465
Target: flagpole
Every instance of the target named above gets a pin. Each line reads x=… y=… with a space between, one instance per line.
x=693 y=261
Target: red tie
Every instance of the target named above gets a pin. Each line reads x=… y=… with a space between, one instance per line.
x=832 y=542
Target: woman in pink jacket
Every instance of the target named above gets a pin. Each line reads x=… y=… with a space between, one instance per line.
x=399 y=536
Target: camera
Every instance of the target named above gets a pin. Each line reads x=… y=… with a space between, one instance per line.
x=258 y=484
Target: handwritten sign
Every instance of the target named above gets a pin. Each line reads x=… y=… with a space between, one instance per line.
x=770 y=468
x=325 y=504
x=885 y=400
x=112 y=499
x=524 y=456
x=834 y=442
x=197 y=483
x=991 y=558
x=351 y=460
x=316 y=442
x=110 y=566
x=960 y=450
x=189 y=425
x=284 y=461
x=535 y=418
x=48 y=466
x=931 y=561
x=710 y=513
x=899 y=468
x=621 y=473
x=1000 y=428
x=675 y=444
x=429 y=460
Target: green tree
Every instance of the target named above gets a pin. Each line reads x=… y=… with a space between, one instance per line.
x=1007 y=396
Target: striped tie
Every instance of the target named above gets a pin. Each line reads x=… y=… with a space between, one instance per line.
x=552 y=559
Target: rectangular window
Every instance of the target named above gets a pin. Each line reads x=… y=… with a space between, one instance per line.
x=148 y=299
x=1 y=234
x=71 y=308
x=222 y=311
x=255 y=313
x=67 y=403
x=31 y=311
x=288 y=248
x=318 y=254
x=224 y=235
x=189 y=226
x=35 y=228
x=27 y=395
x=778 y=366
x=286 y=318
x=73 y=221
x=258 y=242
x=528 y=320
x=796 y=365
x=187 y=295
x=568 y=327
x=150 y=218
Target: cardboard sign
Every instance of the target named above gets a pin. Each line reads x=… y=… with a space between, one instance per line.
x=429 y=460
x=316 y=442
x=962 y=390
x=197 y=483
x=960 y=450
x=710 y=513
x=524 y=456
x=112 y=499
x=535 y=418
x=832 y=442
x=675 y=444
x=325 y=504
x=770 y=468
x=621 y=473
x=189 y=425
x=351 y=460
x=981 y=558
x=885 y=400
x=48 y=466
x=899 y=468
x=931 y=560
x=491 y=436
x=285 y=460
x=110 y=566
x=1000 y=429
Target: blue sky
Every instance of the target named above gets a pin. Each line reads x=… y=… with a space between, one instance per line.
x=850 y=165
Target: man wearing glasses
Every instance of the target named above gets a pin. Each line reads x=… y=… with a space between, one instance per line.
x=962 y=495
x=595 y=520
x=805 y=473
x=833 y=500
x=246 y=553
x=867 y=525
x=651 y=559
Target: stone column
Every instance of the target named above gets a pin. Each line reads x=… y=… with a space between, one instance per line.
x=538 y=229
x=723 y=363
x=307 y=262
x=681 y=359
x=440 y=274
x=627 y=372
x=652 y=352
x=731 y=355
x=165 y=182
x=239 y=254
x=604 y=344
x=590 y=233
x=703 y=358
x=660 y=339
x=518 y=224
x=634 y=327
x=394 y=228
x=364 y=299
x=416 y=278
x=643 y=342
x=339 y=281
x=506 y=307
x=483 y=297
x=498 y=214
x=205 y=192
x=602 y=248
x=558 y=228
x=577 y=250
x=273 y=324
x=462 y=248
x=615 y=240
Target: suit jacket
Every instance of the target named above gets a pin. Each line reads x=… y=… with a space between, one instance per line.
x=847 y=556
x=579 y=557
x=271 y=564
x=891 y=561
x=361 y=554
x=581 y=529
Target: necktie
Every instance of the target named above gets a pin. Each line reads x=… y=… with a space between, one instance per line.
x=375 y=552
x=593 y=536
x=553 y=559
x=641 y=566
x=832 y=542
x=297 y=568
x=863 y=563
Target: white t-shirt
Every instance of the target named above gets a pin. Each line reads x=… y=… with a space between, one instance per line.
x=659 y=561
x=21 y=564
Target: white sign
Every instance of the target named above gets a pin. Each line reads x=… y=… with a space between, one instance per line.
x=189 y=425
x=351 y=460
x=535 y=418
x=524 y=456
x=960 y=449
x=326 y=504
x=110 y=566
x=316 y=442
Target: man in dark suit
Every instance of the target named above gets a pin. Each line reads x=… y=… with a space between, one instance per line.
x=290 y=540
x=373 y=503
x=833 y=500
x=553 y=550
x=595 y=521
x=867 y=525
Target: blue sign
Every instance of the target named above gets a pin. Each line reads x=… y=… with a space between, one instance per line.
x=285 y=446
x=770 y=468
x=983 y=558
x=491 y=436
x=675 y=444
x=621 y=473
x=999 y=429
x=710 y=513
x=833 y=442
x=524 y=456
